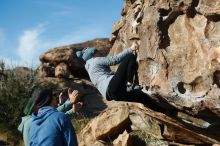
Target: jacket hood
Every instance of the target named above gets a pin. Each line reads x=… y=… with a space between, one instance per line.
x=42 y=114
x=23 y=122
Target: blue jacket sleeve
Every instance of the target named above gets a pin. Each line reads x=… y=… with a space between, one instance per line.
x=113 y=60
x=69 y=133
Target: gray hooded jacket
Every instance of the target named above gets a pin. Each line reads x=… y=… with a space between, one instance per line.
x=99 y=70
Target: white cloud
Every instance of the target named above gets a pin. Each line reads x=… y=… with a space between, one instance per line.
x=28 y=44
x=31 y=44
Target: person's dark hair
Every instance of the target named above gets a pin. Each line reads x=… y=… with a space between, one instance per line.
x=42 y=97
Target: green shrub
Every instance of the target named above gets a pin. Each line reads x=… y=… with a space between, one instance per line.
x=15 y=89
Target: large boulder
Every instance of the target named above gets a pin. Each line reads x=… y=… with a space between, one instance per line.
x=123 y=139
x=62 y=70
x=66 y=55
x=55 y=56
x=179 y=54
x=107 y=124
x=209 y=8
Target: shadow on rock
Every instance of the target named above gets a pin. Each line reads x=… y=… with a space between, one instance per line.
x=155 y=103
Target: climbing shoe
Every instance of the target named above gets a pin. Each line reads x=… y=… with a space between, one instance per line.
x=134 y=87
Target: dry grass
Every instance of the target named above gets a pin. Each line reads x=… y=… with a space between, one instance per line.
x=80 y=122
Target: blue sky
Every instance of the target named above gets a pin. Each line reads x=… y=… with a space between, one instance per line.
x=30 y=27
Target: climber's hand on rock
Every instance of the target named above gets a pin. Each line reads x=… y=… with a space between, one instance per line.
x=135 y=46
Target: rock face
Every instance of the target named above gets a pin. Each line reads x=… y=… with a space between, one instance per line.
x=62 y=61
x=123 y=139
x=61 y=70
x=158 y=128
x=107 y=124
x=179 y=54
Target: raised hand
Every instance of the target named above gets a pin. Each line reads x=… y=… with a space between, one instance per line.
x=135 y=46
x=73 y=95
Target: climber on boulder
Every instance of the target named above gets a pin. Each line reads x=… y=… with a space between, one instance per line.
x=112 y=85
